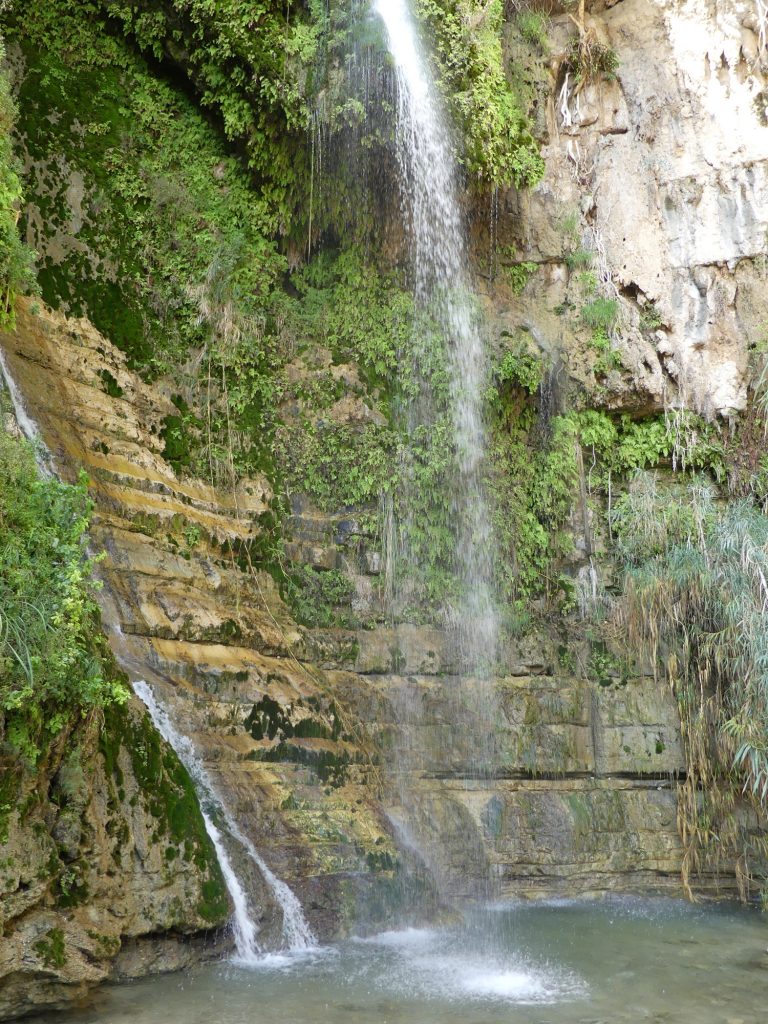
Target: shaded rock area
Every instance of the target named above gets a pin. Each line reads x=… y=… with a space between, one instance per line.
x=103 y=852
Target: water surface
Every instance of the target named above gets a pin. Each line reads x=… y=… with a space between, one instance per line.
x=577 y=962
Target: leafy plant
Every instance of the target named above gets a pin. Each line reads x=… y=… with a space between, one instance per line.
x=53 y=659
x=519 y=274
x=695 y=598
x=601 y=314
x=650 y=318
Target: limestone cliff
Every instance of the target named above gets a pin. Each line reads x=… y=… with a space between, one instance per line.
x=660 y=172
x=253 y=601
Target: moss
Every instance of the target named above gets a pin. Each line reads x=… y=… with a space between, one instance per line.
x=111 y=386
x=330 y=766
x=51 y=949
x=168 y=794
x=214 y=905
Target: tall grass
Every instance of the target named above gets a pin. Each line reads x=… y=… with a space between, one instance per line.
x=696 y=598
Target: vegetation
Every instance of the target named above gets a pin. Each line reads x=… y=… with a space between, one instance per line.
x=498 y=147
x=15 y=259
x=54 y=661
x=695 y=598
x=590 y=60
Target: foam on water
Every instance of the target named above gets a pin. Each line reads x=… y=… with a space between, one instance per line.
x=448 y=965
x=515 y=986
x=405 y=938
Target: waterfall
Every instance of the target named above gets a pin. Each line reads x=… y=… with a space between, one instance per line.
x=244 y=926
x=297 y=934
x=429 y=186
x=27 y=425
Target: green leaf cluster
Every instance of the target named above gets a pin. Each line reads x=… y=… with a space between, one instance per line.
x=497 y=145
x=15 y=259
x=53 y=660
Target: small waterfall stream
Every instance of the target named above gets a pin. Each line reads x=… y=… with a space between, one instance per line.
x=27 y=425
x=243 y=926
x=297 y=934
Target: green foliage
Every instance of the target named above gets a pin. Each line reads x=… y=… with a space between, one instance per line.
x=316 y=596
x=53 y=660
x=530 y=509
x=695 y=595
x=249 y=64
x=519 y=274
x=650 y=318
x=519 y=367
x=363 y=315
x=498 y=146
x=606 y=356
x=533 y=26
x=155 y=218
x=601 y=314
x=338 y=465
x=578 y=258
x=15 y=259
x=590 y=60
x=621 y=445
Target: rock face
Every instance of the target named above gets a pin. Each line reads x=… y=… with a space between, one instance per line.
x=660 y=173
x=98 y=864
x=295 y=724
x=192 y=612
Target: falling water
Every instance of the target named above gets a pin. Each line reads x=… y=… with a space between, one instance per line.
x=244 y=926
x=429 y=186
x=27 y=425
x=297 y=933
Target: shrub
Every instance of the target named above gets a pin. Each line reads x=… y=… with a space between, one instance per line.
x=695 y=599
x=53 y=658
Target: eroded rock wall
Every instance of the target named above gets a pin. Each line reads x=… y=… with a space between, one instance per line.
x=659 y=172
x=104 y=855
x=295 y=725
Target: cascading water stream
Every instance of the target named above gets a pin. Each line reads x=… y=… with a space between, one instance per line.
x=27 y=425
x=297 y=933
x=243 y=926
x=429 y=188
x=429 y=193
